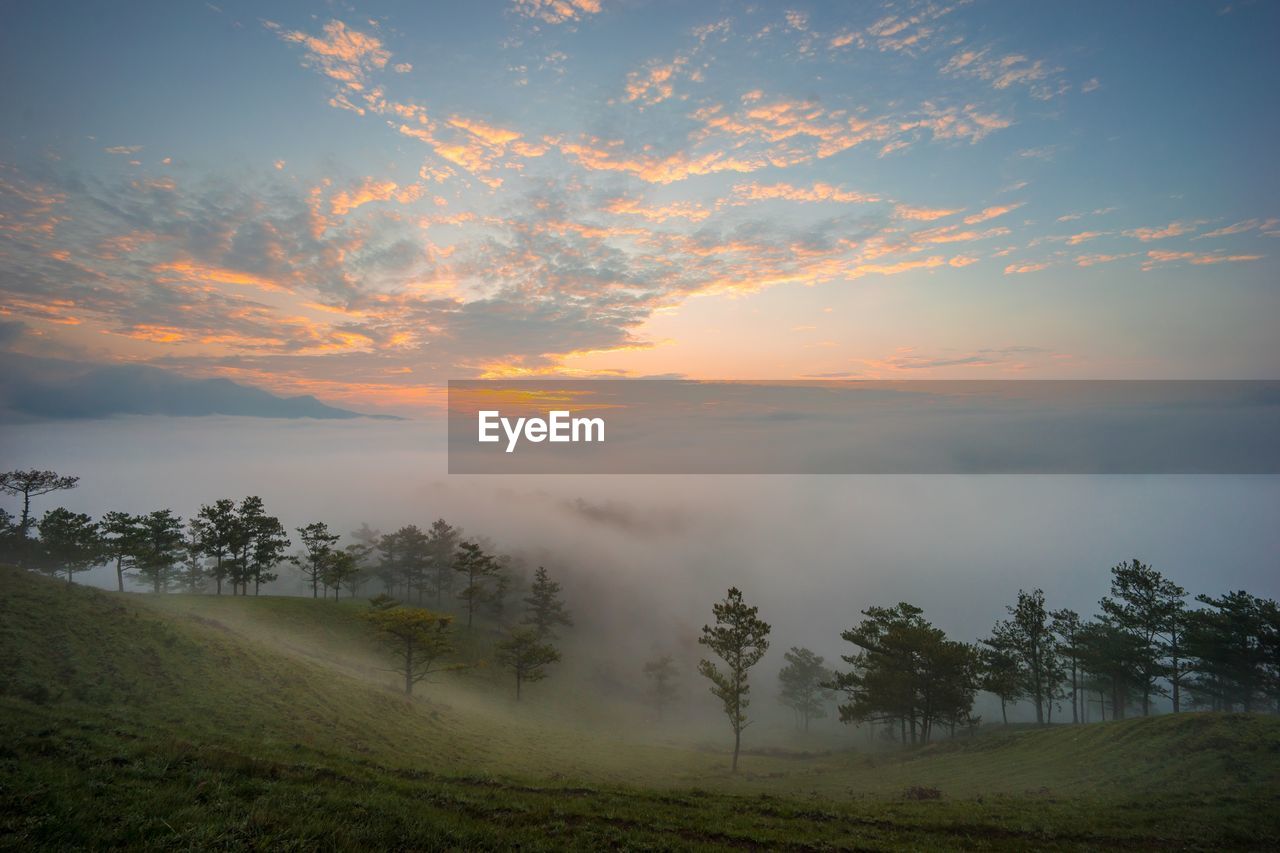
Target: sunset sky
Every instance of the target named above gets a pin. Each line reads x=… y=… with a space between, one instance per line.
x=361 y=201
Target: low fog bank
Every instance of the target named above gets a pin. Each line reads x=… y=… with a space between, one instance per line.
x=644 y=557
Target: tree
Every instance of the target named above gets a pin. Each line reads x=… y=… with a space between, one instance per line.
x=1230 y=639
x=442 y=542
x=33 y=484
x=418 y=638
x=662 y=674
x=740 y=639
x=160 y=547
x=1029 y=636
x=342 y=567
x=317 y=545
x=1002 y=672
x=192 y=576
x=389 y=562
x=526 y=655
x=1146 y=604
x=477 y=569
x=220 y=531
x=1065 y=625
x=258 y=545
x=360 y=567
x=11 y=539
x=1111 y=657
x=69 y=542
x=120 y=536
x=414 y=560
x=802 y=681
x=544 y=609
x=906 y=672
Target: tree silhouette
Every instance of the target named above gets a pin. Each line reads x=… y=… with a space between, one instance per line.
x=69 y=542
x=662 y=674
x=740 y=639
x=33 y=484
x=526 y=655
x=543 y=608
x=802 y=681
x=317 y=548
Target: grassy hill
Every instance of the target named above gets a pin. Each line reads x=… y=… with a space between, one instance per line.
x=181 y=722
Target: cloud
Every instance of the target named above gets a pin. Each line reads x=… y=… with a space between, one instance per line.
x=1019 y=269
x=990 y=213
x=1094 y=260
x=123 y=149
x=1011 y=358
x=923 y=214
x=1084 y=236
x=346 y=56
x=1002 y=72
x=1159 y=257
x=690 y=211
x=369 y=190
x=1241 y=228
x=817 y=192
x=1173 y=229
x=51 y=388
x=556 y=11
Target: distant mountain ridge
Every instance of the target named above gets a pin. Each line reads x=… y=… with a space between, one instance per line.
x=53 y=388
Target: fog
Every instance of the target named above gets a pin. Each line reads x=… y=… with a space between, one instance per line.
x=643 y=557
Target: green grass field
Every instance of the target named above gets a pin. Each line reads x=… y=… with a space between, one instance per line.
x=199 y=722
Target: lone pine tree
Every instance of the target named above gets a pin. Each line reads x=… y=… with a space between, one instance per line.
x=740 y=638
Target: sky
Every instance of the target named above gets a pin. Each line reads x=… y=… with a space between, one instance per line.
x=360 y=202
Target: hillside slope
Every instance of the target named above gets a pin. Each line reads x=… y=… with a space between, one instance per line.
x=179 y=722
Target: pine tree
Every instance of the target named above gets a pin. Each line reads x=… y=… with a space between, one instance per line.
x=220 y=529
x=662 y=674
x=526 y=655
x=543 y=608
x=478 y=570
x=802 y=681
x=740 y=639
x=69 y=542
x=317 y=549
x=419 y=639
x=120 y=533
x=160 y=548
x=442 y=542
x=1147 y=605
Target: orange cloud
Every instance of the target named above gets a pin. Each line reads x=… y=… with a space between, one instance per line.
x=1173 y=229
x=192 y=271
x=818 y=192
x=370 y=190
x=990 y=213
x=1017 y=269
x=556 y=11
x=677 y=210
x=923 y=214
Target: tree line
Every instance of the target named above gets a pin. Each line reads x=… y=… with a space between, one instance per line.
x=232 y=546
x=903 y=674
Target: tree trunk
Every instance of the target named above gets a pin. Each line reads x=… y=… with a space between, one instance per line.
x=120 y=574
x=517 y=685
x=1004 y=715
x=737 y=744
x=408 y=668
